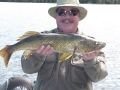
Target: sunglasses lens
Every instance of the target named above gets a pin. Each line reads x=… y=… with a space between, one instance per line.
x=73 y=12
x=61 y=12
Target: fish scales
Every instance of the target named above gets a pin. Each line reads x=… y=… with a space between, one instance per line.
x=63 y=43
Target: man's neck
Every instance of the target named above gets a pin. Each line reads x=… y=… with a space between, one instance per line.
x=62 y=32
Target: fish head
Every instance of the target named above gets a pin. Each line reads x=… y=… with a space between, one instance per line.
x=90 y=45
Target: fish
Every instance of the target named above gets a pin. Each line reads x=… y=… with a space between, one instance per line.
x=62 y=43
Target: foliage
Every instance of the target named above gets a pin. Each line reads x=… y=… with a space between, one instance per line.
x=54 y=1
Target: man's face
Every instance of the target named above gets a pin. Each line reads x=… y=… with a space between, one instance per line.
x=68 y=19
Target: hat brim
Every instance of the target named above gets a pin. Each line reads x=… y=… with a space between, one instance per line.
x=83 y=11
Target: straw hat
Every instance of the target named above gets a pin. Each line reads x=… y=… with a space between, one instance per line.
x=71 y=3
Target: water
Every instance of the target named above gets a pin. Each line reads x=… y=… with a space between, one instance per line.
x=102 y=22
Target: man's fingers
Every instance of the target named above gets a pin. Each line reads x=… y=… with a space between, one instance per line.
x=90 y=56
x=39 y=50
x=50 y=50
x=45 y=51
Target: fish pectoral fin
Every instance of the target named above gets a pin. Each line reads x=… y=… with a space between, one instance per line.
x=28 y=34
x=65 y=56
x=27 y=53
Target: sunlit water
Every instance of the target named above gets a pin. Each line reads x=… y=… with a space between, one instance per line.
x=102 y=22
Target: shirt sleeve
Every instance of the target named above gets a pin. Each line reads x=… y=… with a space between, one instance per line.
x=33 y=63
x=96 y=68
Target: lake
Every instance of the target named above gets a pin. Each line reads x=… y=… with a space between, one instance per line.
x=102 y=22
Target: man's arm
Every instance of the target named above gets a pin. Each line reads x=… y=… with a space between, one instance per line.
x=94 y=65
x=35 y=61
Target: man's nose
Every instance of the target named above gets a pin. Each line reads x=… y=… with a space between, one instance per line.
x=67 y=15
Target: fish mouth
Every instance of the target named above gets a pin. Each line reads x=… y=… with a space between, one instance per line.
x=102 y=45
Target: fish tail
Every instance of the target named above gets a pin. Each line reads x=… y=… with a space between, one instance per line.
x=5 y=54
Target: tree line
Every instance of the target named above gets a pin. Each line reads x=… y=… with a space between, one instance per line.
x=81 y=1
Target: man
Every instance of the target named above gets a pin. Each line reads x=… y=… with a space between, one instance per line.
x=76 y=75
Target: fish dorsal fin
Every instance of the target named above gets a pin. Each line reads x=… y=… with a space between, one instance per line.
x=28 y=34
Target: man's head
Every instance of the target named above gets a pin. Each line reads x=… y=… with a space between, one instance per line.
x=67 y=13
x=67 y=19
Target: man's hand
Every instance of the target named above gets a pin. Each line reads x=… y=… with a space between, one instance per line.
x=45 y=51
x=90 y=56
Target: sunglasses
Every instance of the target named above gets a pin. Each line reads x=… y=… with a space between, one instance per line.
x=71 y=12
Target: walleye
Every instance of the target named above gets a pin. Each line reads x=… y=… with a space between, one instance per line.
x=62 y=43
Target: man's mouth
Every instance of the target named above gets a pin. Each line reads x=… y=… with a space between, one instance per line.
x=67 y=21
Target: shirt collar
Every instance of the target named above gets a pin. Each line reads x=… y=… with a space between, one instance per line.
x=78 y=31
